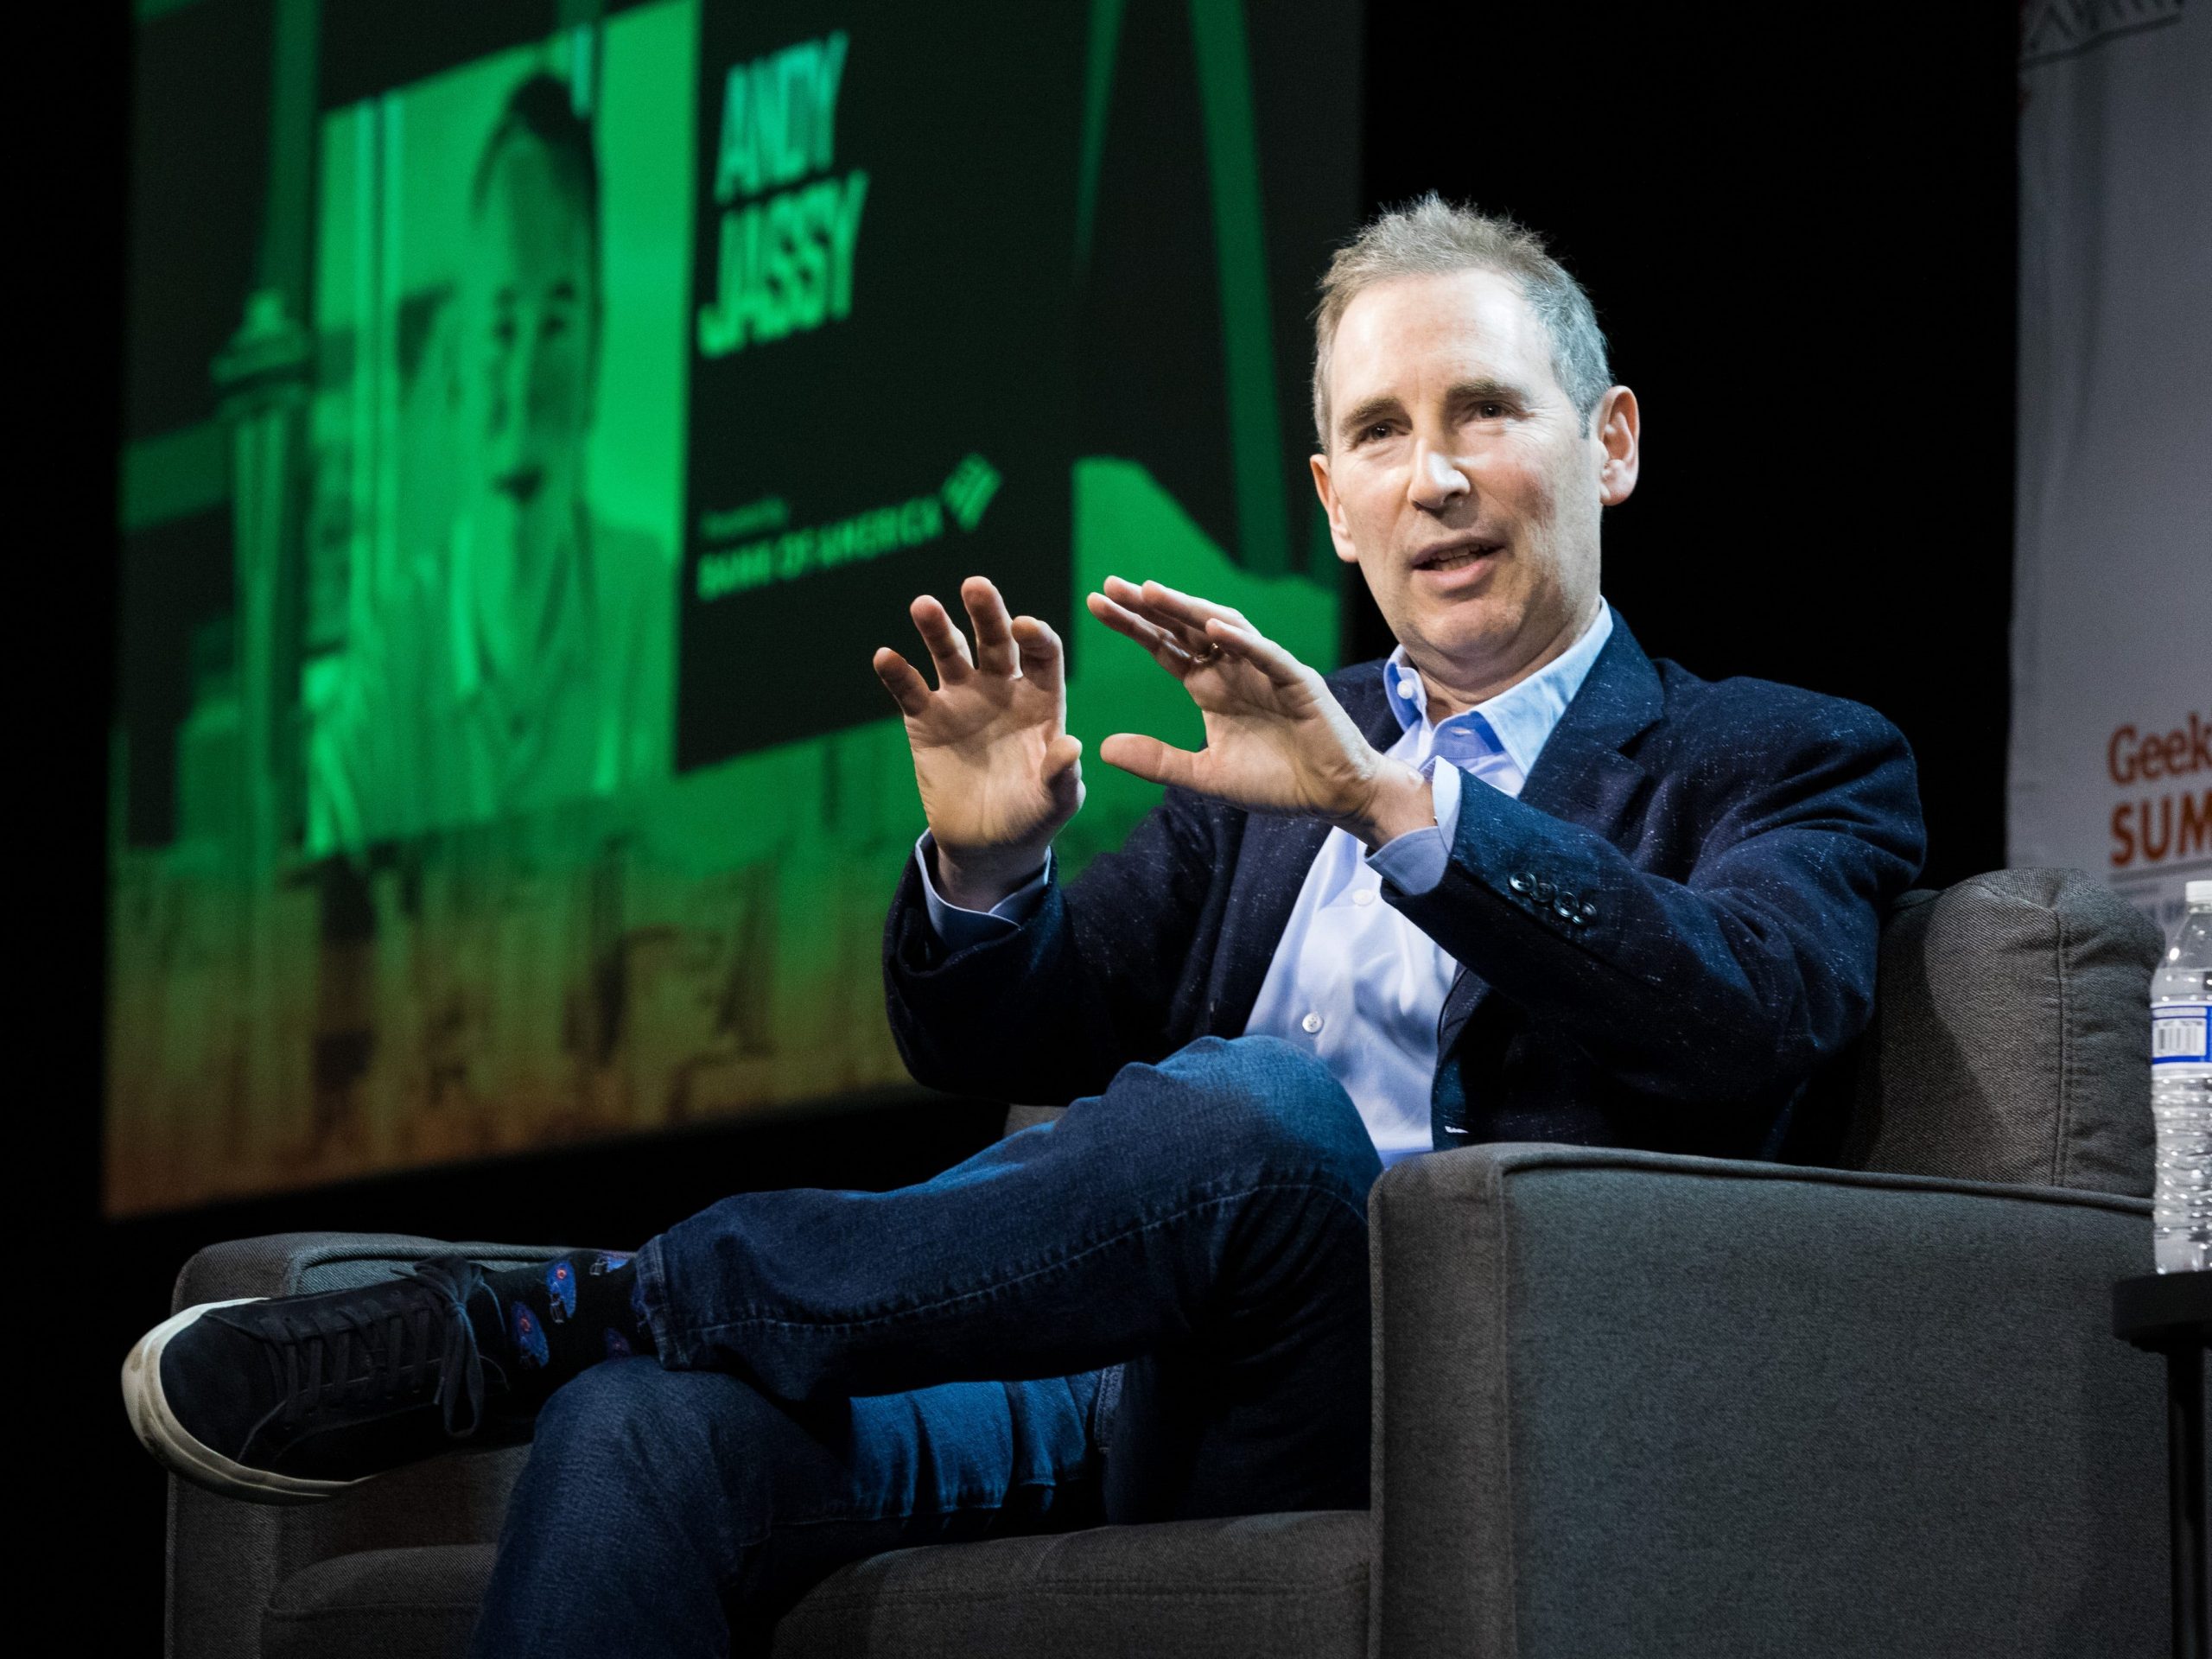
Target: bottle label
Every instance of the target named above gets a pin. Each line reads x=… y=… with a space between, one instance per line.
x=2181 y=1033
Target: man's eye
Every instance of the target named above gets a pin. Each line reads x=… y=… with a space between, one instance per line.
x=1492 y=411
x=1381 y=430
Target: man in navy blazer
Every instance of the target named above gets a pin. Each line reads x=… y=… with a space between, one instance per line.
x=1517 y=882
x=1660 y=940
x=1658 y=924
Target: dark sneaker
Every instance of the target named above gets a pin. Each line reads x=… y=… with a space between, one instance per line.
x=290 y=1399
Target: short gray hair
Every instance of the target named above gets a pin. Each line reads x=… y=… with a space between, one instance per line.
x=1435 y=237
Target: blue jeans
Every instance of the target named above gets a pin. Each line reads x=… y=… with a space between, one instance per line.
x=1154 y=1309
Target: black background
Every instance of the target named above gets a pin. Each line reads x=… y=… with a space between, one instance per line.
x=1798 y=229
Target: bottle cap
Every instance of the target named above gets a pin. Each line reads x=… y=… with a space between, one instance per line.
x=2197 y=893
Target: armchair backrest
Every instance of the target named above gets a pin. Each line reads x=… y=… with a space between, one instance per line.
x=2011 y=1040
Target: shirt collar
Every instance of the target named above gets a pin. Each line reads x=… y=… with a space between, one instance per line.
x=1518 y=719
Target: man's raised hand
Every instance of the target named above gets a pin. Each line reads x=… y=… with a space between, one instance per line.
x=1277 y=740
x=998 y=771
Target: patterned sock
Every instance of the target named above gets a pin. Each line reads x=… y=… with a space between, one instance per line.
x=547 y=1322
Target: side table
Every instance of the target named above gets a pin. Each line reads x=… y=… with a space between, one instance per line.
x=2171 y=1313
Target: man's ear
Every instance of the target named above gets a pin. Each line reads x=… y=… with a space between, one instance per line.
x=1620 y=425
x=1326 y=487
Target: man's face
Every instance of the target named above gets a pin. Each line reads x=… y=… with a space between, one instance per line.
x=531 y=349
x=1459 y=478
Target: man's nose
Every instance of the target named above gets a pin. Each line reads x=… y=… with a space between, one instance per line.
x=524 y=375
x=1437 y=480
x=509 y=388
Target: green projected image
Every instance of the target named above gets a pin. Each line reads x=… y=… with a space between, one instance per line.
x=538 y=413
x=496 y=436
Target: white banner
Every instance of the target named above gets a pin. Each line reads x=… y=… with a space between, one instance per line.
x=2111 y=628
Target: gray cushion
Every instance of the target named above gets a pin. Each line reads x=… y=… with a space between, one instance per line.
x=1268 y=1587
x=379 y=1604
x=2011 y=1037
x=1275 y=1586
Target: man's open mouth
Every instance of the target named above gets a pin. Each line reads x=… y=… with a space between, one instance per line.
x=1456 y=556
x=521 y=484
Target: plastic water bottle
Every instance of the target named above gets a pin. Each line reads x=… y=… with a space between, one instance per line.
x=2181 y=1091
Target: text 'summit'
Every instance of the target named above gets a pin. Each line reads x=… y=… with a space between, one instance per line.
x=2168 y=815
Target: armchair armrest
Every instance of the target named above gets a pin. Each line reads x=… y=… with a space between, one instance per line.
x=1628 y=1402
x=226 y=1558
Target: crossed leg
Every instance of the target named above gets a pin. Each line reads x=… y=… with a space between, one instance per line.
x=661 y=1510
x=1155 y=1308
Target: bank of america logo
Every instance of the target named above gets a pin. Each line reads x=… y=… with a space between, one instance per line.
x=2059 y=28
x=969 y=490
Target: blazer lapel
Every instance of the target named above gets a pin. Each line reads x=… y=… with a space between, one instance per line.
x=1271 y=866
x=1359 y=688
x=1271 y=869
x=1580 y=775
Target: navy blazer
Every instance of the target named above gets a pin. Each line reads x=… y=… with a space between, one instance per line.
x=1661 y=940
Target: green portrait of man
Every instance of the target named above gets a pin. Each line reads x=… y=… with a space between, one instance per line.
x=523 y=657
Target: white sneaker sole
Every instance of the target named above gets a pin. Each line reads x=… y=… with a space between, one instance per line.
x=173 y=1446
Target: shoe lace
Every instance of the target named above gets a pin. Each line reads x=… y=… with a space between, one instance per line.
x=388 y=1343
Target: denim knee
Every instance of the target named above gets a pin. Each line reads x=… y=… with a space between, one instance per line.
x=629 y=1425
x=613 y=1414
x=1276 y=1101
x=637 y=1512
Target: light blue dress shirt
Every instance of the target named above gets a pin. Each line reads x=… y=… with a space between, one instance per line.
x=1352 y=980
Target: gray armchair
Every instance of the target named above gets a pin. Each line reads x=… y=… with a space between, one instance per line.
x=1625 y=1403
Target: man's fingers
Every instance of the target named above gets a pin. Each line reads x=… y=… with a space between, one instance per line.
x=948 y=648
x=1255 y=648
x=1063 y=777
x=995 y=651
x=1131 y=599
x=1041 y=651
x=1188 y=609
x=1183 y=617
x=1167 y=650
x=1150 y=759
x=903 y=681
x=1060 y=754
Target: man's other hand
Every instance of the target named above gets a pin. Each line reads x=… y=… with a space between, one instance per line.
x=998 y=771
x=1276 y=740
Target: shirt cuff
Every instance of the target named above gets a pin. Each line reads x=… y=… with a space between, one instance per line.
x=960 y=927
x=1414 y=862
